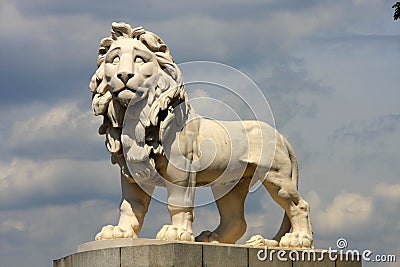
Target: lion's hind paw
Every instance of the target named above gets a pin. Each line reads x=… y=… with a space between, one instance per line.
x=259 y=241
x=208 y=237
x=296 y=240
x=173 y=233
x=114 y=232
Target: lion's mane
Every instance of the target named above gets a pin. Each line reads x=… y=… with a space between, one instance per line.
x=165 y=92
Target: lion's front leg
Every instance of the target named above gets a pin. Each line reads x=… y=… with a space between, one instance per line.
x=133 y=208
x=180 y=207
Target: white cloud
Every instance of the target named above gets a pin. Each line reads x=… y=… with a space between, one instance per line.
x=347 y=213
x=20 y=25
x=63 y=131
x=224 y=41
x=365 y=221
x=58 y=123
x=10 y=225
x=390 y=192
x=55 y=36
x=48 y=232
x=26 y=183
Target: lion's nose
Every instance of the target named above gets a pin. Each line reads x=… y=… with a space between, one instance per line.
x=125 y=76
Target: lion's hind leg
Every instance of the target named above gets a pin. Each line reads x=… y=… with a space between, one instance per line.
x=231 y=209
x=258 y=240
x=283 y=190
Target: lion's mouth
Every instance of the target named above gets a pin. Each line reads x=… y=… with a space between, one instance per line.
x=127 y=94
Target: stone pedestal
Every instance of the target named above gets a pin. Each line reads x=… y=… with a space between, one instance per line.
x=149 y=252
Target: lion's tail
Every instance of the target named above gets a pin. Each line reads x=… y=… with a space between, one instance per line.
x=286 y=225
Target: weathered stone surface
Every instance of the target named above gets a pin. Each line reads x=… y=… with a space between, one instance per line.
x=261 y=257
x=350 y=263
x=140 y=255
x=120 y=242
x=109 y=257
x=63 y=262
x=303 y=258
x=174 y=254
x=220 y=255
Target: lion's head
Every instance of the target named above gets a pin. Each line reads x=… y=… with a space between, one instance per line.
x=136 y=73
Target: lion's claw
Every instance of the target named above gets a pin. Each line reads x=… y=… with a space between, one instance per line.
x=114 y=232
x=173 y=233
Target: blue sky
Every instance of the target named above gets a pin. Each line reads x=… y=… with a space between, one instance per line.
x=329 y=70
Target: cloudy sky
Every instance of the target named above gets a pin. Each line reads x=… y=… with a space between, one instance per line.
x=329 y=70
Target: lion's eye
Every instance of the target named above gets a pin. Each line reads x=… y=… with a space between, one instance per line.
x=116 y=60
x=139 y=60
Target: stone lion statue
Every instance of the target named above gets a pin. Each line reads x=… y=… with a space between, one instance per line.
x=157 y=139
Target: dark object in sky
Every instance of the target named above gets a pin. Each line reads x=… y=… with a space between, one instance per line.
x=396 y=14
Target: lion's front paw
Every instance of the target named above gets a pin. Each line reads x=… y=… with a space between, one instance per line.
x=173 y=233
x=114 y=232
x=208 y=236
x=296 y=240
x=259 y=241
